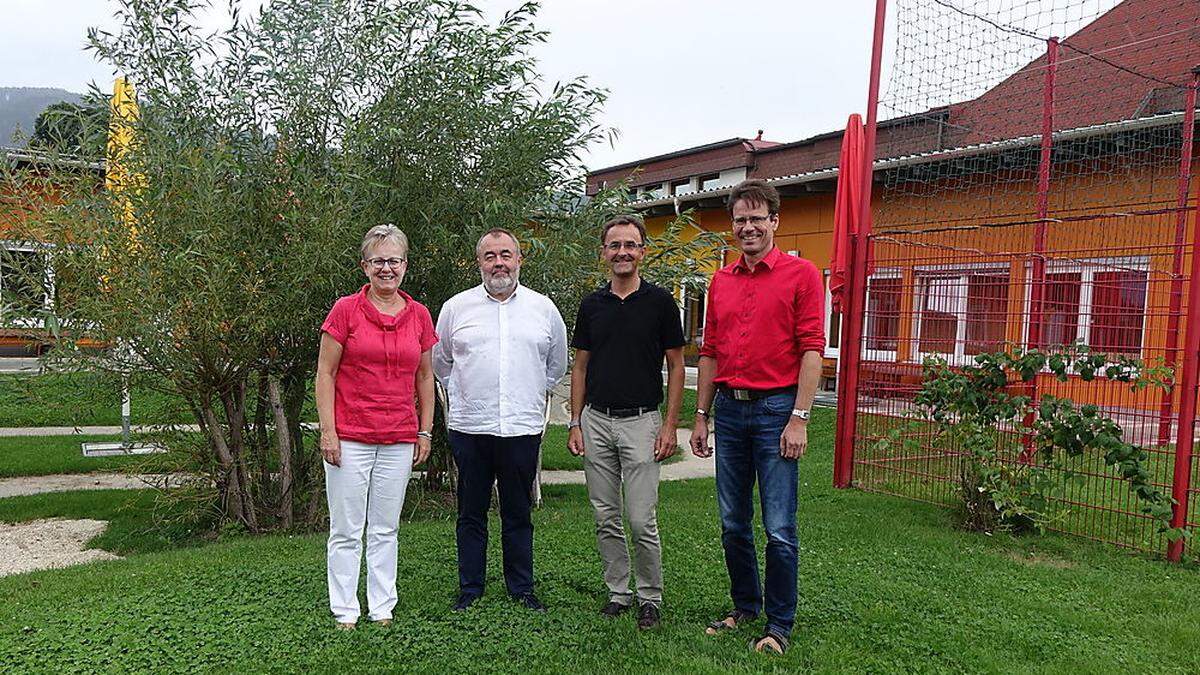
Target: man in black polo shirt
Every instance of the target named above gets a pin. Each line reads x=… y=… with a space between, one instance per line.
x=621 y=335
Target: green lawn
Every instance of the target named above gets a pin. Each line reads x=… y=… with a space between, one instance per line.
x=88 y=399
x=886 y=585
x=80 y=399
x=48 y=455
x=132 y=526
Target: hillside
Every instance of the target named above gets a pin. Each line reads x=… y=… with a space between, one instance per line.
x=20 y=106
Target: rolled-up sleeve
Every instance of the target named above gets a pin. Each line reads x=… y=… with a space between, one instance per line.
x=337 y=324
x=810 y=312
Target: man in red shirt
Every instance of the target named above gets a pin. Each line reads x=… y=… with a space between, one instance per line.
x=760 y=364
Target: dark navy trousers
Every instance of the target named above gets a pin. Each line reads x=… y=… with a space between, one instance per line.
x=510 y=463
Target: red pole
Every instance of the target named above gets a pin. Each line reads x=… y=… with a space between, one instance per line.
x=855 y=310
x=1182 y=479
x=1185 y=182
x=1038 y=281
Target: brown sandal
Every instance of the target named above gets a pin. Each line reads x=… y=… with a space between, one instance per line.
x=722 y=624
x=761 y=645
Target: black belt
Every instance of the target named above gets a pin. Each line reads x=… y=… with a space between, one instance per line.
x=753 y=394
x=621 y=412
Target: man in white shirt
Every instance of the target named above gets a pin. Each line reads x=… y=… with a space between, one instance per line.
x=503 y=346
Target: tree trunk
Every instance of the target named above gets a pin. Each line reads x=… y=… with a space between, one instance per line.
x=284 y=441
x=235 y=415
x=228 y=485
x=260 y=432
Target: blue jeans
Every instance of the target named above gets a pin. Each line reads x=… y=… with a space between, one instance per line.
x=747 y=448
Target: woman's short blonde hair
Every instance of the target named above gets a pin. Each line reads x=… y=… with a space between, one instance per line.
x=381 y=233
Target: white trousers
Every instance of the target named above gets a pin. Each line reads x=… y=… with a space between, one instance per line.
x=368 y=488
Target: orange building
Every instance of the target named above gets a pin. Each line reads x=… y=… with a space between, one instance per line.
x=26 y=281
x=954 y=185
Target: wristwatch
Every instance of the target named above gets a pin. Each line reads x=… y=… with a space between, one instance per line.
x=802 y=414
x=702 y=412
x=573 y=424
x=427 y=435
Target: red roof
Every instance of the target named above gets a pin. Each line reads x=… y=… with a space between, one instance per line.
x=1121 y=66
x=1128 y=63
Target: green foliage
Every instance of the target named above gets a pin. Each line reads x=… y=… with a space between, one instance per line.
x=980 y=409
x=263 y=152
x=73 y=128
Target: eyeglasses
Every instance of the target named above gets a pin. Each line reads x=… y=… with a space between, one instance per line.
x=627 y=245
x=379 y=263
x=752 y=220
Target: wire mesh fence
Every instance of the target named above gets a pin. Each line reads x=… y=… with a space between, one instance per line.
x=1033 y=192
x=953 y=293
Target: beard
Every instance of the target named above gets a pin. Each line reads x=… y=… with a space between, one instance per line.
x=499 y=285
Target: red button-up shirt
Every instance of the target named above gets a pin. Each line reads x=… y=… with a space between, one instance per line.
x=761 y=321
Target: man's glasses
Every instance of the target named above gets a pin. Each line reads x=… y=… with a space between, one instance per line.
x=616 y=246
x=379 y=263
x=751 y=220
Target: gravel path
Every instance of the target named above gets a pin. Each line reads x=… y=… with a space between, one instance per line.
x=44 y=544
x=33 y=485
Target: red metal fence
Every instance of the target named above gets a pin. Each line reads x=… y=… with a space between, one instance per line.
x=1037 y=218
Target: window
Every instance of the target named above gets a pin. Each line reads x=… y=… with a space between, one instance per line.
x=654 y=191
x=710 y=181
x=681 y=187
x=1118 y=312
x=882 y=330
x=25 y=286
x=694 y=294
x=833 y=323
x=1100 y=303
x=961 y=312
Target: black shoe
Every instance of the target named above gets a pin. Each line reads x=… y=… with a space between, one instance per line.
x=464 y=601
x=647 y=616
x=531 y=602
x=614 y=609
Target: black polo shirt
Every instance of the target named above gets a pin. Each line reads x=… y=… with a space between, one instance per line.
x=627 y=340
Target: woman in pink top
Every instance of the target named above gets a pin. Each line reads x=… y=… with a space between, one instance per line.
x=375 y=403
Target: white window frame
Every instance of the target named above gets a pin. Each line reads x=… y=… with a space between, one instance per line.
x=961 y=272
x=879 y=354
x=1087 y=269
x=831 y=352
x=47 y=300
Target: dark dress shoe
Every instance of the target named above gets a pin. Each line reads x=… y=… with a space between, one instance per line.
x=530 y=601
x=648 y=616
x=614 y=609
x=464 y=601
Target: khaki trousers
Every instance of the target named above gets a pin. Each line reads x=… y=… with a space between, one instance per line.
x=619 y=453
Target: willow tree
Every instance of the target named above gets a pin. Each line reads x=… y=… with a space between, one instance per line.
x=265 y=150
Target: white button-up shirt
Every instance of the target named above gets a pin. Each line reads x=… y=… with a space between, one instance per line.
x=497 y=360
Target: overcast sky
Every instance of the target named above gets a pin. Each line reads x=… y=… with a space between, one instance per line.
x=679 y=72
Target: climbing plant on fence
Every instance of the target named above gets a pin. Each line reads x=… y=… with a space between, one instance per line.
x=1018 y=456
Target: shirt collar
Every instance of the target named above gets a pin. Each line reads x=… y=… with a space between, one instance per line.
x=769 y=260
x=643 y=286
x=373 y=313
x=489 y=296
